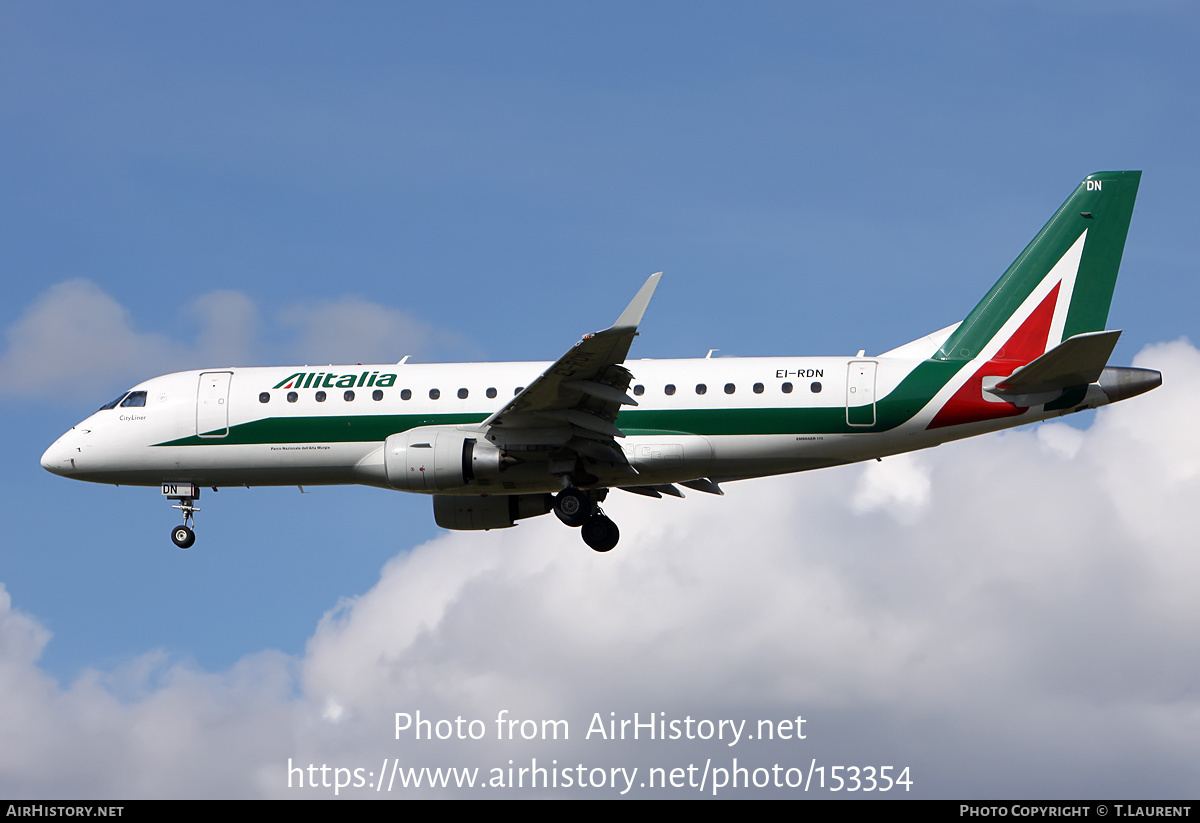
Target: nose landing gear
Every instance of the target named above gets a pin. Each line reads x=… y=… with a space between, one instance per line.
x=186 y=494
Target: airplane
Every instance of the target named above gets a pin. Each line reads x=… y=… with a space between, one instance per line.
x=495 y=443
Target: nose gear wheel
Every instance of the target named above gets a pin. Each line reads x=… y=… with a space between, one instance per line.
x=183 y=536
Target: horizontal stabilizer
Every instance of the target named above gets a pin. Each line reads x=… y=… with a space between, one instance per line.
x=1077 y=361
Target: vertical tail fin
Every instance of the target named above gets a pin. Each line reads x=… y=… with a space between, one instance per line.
x=1061 y=285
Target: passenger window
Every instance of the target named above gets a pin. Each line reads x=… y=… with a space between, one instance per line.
x=518 y=390
x=701 y=388
x=462 y=394
x=321 y=396
x=406 y=394
x=669 y=389
x=730 y=388
x=787 y=388
x=816 y=387
x=639 y=390
x=135 y=399
x=292 y=397
x=434 y=394
x=377 y=394
x=758 y=388
x=264 y=397
x=491 y=393
x=348 y=396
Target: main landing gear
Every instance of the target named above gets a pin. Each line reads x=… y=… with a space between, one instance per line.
x=580 y=510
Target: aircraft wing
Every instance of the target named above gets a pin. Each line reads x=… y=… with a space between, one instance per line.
x=575 y=402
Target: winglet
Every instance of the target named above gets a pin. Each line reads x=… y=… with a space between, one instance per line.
x=632 y=316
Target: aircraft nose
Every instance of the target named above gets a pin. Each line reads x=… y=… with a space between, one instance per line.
x=58 y=459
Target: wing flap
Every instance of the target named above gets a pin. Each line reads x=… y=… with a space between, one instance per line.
x=584 y=420
x=657 y=490
x=602 y=390
x=703 y=484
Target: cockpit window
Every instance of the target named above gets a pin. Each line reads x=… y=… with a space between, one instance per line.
x=135 y=399
x=111 y=405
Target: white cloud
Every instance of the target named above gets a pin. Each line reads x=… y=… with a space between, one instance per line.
x=899 y=484
x=352 y=330
x=229 y=329
x=1030 y=633
x=74 y=341
x=77 y=343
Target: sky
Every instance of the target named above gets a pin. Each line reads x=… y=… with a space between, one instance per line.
x=199 y=185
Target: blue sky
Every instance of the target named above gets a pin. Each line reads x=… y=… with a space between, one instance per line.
x=191 y=185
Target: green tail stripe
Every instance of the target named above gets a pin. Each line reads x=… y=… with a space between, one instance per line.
x=1102 y=205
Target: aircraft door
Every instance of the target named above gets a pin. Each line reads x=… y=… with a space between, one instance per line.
x=212 y=404
x=860 y=393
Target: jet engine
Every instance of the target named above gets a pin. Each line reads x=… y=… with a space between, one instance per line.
x=496 y=511
x=436 y=458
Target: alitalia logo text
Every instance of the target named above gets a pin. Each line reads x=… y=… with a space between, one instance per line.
x=322 y=380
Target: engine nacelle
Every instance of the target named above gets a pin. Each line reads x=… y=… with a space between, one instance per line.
x=495 y=511
x=433 y=458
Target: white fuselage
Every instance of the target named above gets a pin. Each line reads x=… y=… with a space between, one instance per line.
x=722 y=418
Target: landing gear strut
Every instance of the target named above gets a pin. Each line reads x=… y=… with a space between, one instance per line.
x=579 y=510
